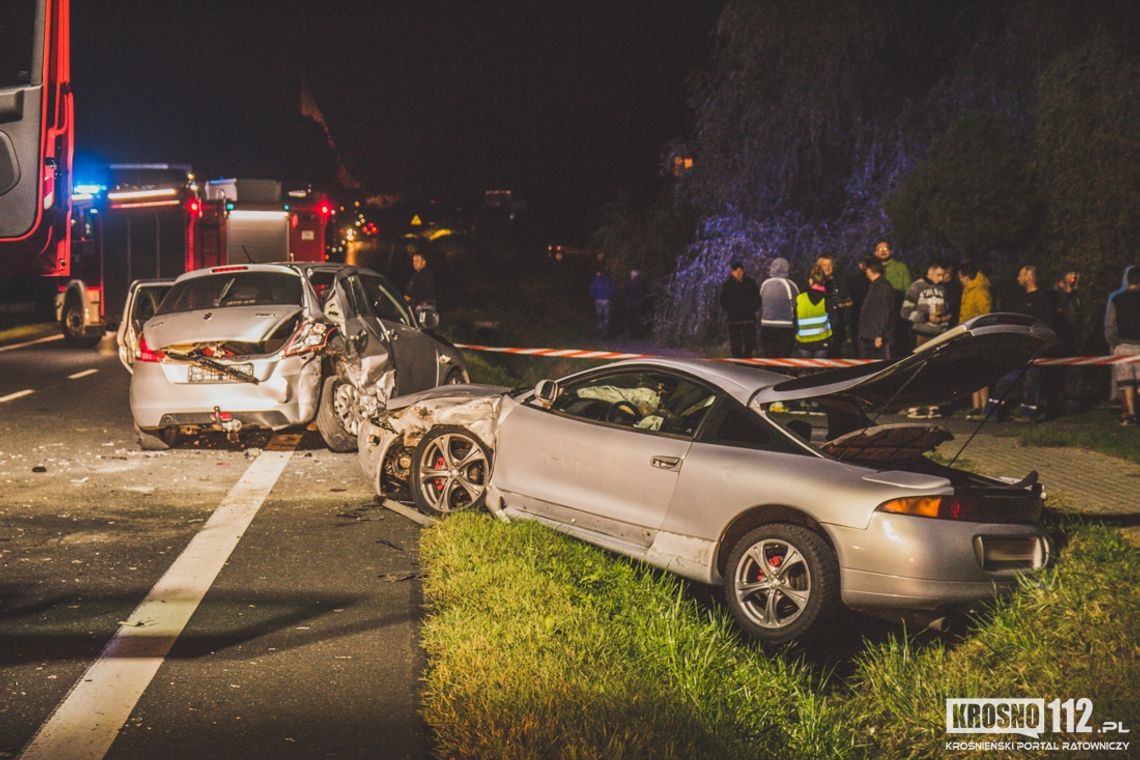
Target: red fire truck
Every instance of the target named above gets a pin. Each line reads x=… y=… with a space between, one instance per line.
x=156 y=221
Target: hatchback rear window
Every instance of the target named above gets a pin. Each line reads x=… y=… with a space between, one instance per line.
x=220 y=291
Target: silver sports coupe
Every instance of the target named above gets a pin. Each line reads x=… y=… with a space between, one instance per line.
x=272 y=346
x=784 y=490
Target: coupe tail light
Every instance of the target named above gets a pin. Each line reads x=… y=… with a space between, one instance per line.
x=309 y=337
x=942 y=508
x=147 y=354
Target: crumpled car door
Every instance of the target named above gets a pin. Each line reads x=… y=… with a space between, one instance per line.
x=414 y=351
x=143 y=298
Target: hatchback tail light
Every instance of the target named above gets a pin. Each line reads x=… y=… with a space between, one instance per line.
x=147 y=354
x=309 y=337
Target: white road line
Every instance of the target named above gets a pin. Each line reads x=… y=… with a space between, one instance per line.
x=16 y=395
x=85 y=724
x=14 y=346
x=84 y=373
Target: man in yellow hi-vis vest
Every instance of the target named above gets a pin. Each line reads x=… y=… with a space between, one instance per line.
x=813 y=321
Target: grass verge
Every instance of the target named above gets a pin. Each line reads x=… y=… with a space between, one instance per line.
x=1094 y=429
x=540 y=645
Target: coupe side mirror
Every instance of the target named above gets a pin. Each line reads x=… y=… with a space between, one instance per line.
x=428 y=317
x=545 y=392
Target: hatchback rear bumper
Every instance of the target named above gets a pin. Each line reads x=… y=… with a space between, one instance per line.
x=286 y=395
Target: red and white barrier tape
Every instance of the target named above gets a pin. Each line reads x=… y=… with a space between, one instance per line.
x=576 y=353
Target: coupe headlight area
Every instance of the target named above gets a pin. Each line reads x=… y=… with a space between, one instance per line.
x=978 y=509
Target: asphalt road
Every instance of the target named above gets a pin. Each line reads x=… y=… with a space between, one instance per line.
x=304 y=644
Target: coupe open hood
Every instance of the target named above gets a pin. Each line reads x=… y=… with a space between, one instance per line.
x=244 y=324
x=953 y=365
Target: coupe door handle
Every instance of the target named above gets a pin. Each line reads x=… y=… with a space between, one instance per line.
x=665 y=463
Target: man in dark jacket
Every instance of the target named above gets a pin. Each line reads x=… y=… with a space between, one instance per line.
x=740 y=299
x=421 y=287
x=1035 y=303
x=840 y=304
x=877 y=317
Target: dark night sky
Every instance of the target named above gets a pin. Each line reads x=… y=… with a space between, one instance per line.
x=567 y=103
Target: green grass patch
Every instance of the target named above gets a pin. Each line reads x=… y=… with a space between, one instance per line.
x=542 y=646
x=1094 y=429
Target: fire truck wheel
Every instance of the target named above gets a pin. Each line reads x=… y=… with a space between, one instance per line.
x=157 y=440
x=337 y=415
x=74 y=332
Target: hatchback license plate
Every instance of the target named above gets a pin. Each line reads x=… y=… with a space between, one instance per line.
x=200 y=374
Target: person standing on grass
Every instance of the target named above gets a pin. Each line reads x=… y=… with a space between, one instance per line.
x=925 y=306
x=740 y=299
x=976 y=301
x=1122 y=331
x=778 y=310
x=926 y=309
x=813 y=318
x=898 y=276
x=839 y=304
x=877 y=317
x=1035 y=303
x=602 y=292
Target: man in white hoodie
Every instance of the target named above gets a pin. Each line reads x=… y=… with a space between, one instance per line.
x=778 y=311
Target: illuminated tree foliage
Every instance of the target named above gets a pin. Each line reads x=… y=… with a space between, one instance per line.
x=973 y=193
x=1087 y=147
x=948 y=127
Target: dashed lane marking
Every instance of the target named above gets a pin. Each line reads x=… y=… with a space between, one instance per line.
x=14 y=346
x=85 y=724
x=83 y=373
x=16 y=395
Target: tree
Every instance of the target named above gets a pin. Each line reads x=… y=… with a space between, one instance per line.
x=973 y=193
x=1087 y=154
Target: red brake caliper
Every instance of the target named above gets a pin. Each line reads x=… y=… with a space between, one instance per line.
x=439 y=463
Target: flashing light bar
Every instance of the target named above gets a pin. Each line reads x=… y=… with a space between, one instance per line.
x=131 y=195
x=87 y=188
x=146 y=204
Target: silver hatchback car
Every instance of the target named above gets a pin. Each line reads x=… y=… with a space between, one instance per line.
x=273 y=346
x=783 y=490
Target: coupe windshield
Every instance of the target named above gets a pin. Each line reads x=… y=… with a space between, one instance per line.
x=220 y=291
